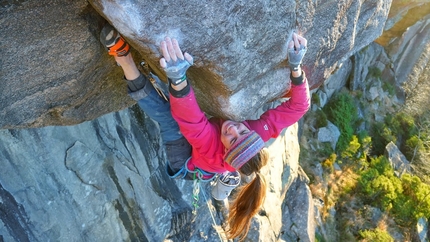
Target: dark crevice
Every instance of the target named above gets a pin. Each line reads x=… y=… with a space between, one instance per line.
x=182 y=215
x=128 y=211
x=14 y=217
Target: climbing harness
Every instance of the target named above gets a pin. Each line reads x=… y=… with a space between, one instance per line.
x=196 y=174
x=199 y=174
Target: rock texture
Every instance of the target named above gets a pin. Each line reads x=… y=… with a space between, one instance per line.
x=398 y=60
x=53 y=69
x=98 y=181
x=397 y=160
x=104 y=180
x=406 y=40
x=55 y=72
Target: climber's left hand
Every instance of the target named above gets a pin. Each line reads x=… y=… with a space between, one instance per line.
x=174 y=62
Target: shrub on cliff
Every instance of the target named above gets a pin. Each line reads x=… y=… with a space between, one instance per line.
x=341 y=111
x=406 y=198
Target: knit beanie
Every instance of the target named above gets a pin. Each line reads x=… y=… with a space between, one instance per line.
x=243 y=150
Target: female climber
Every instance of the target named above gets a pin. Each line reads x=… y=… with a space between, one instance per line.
x=197 y=147
x=226 y=145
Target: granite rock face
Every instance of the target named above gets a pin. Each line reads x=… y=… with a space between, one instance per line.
x=98 y=181
x=105 y=180
x=240 y=46
x=54 y=71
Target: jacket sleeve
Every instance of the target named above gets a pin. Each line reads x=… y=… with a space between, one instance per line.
x=194 y=125
x=272 y=122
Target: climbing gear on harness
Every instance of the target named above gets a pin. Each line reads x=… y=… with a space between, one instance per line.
x=180 y=174
x=199 y=174
x=224 y=184
x=187 y=174
x=113 y=41
x=196 y=191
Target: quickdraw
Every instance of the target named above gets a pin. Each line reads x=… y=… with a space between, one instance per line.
x=147 y=71
x=196 y=191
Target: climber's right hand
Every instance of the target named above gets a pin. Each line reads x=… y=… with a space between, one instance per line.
x=174 y=62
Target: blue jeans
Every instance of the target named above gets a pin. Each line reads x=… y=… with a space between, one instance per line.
x=177 y=148
x=158 y=109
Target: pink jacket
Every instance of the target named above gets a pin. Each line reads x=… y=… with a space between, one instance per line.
x=205 y=135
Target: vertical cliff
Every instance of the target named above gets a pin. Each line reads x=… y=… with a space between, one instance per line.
x=102 y=177
x=104 y=180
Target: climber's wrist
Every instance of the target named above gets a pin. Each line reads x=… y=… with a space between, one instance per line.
x=180 y=90
x=178 y=83
x=179 y=86
x=297 y=72
x=297 y=79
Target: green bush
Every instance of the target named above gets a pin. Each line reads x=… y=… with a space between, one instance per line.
x=406 y=198
x=315 y=99
x=325 y=149
x=329 y=162
x=366 y=142
x=321 y=119
x=379 y=141
x=379 y=184
x=375 y=235
x=319 y=238
x=341 y=111
x=414 y=202
x=412 y=146
x=397 y=129
x=389 y=88
x=351 y=149
x=382 y=165
x=374 y=72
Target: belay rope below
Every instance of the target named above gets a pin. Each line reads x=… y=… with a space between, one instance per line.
x=196 y=191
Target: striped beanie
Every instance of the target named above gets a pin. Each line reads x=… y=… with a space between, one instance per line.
x=242 y=151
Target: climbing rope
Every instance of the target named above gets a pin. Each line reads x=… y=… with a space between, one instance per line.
x=196 y=191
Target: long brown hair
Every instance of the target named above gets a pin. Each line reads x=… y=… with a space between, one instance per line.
x=249 y=198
